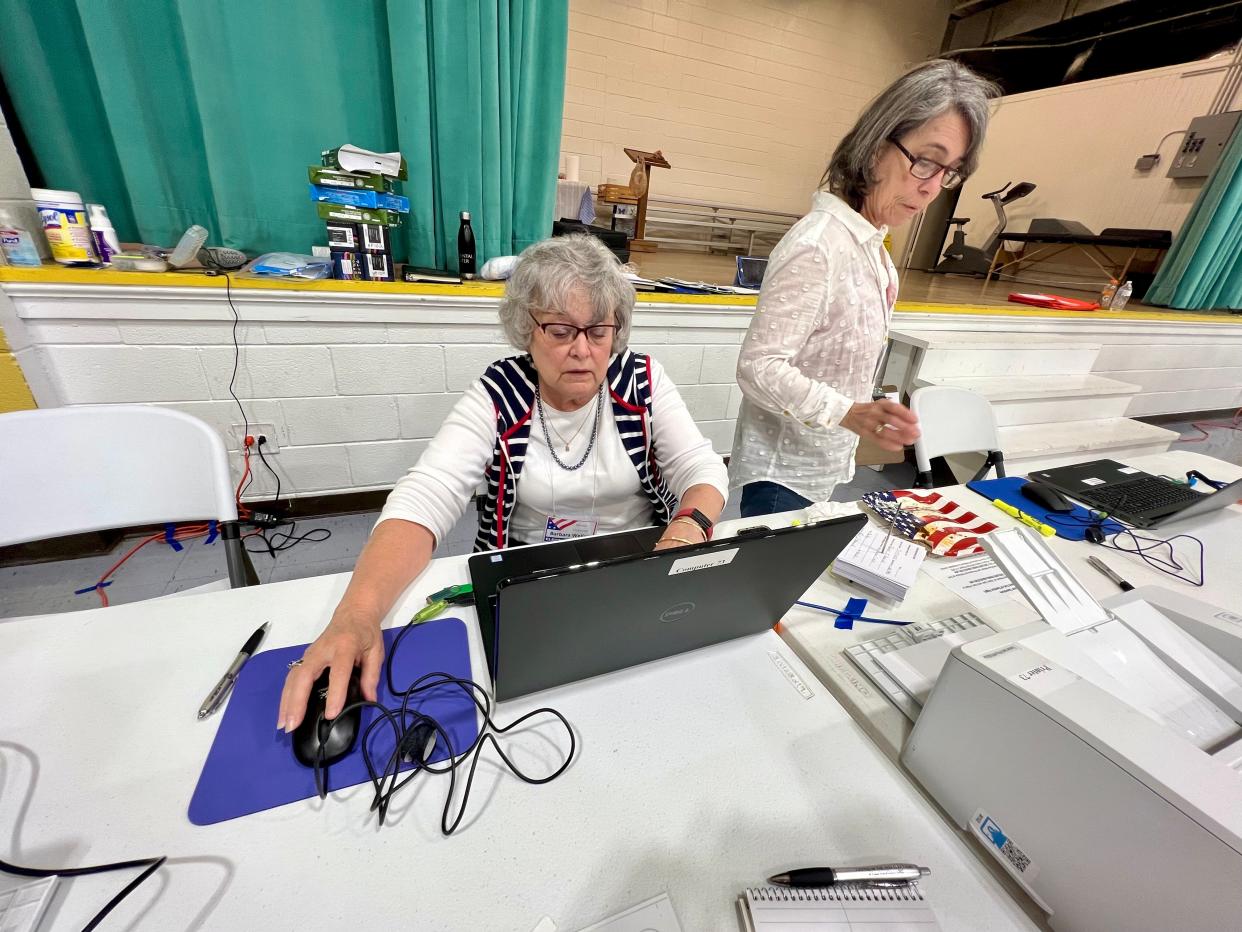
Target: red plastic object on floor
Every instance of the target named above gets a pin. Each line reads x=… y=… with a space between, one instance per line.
x=1055 y=301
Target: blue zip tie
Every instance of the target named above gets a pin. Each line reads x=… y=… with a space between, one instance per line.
x=845 y=614
x=169 y=539
x=212 y=532
x=102 y=585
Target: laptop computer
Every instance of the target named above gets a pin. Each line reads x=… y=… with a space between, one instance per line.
x=488 y=569
x=561 y=625
x=1133 y=496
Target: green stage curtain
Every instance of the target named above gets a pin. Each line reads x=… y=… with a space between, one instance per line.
x=1204 y=267
x=172 y=112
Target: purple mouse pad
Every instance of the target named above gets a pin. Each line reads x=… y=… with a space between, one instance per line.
x=251 y=766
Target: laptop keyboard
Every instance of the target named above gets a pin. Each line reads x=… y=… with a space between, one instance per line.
x=1142 y=495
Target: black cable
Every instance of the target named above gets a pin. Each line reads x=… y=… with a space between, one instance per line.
x=259 y=446
x=228 y=295
x=290 y=540
x=1143 y=546
x=402 y=746
x=150 y=865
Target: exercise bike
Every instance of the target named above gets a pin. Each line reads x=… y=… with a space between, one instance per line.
x=960 y=259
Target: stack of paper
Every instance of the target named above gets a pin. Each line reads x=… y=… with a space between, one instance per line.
x=881 y=562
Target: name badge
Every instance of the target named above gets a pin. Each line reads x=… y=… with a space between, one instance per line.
x=569 y=527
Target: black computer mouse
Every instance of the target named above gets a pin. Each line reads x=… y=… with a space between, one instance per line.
x=1045 y=496
x=337 y=738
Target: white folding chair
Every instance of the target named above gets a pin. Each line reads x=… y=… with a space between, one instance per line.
x=954 y=420
x=97 y=467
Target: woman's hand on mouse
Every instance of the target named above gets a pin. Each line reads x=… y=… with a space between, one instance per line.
x=349 y=641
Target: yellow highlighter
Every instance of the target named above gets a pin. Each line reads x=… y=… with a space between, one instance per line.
x=1046 y=529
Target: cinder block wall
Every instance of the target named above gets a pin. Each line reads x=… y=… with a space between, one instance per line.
x=352 y=405
x=746 y=98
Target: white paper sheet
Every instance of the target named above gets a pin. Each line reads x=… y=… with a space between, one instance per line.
x=653 y=915
x=978 y=580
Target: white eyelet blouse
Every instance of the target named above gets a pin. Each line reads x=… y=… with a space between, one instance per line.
x=812 y=350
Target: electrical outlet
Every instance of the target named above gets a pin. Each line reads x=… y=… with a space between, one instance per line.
x=237 y=436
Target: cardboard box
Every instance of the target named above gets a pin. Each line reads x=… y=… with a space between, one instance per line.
x=870 y=453
x=345 y=214
x=344 y=235
x=336 y=178
x=347 y=266
x=373 y=237
x=377 y=266
x=360 y=197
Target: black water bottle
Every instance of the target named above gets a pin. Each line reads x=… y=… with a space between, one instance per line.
x=465 y=247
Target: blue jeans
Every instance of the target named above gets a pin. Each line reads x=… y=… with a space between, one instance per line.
x=766 y=498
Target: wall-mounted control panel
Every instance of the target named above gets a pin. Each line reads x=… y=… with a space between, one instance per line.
x=1202 y=145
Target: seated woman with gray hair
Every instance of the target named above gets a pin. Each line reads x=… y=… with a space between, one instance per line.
x=578 y=435
x=810 y=360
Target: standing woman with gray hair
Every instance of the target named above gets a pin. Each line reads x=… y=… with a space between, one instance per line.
x=807 y=367
x=577 y=435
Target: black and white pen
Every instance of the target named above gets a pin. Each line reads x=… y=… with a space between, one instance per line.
x=878 y=875
x=216 y=696
x=1110 y=573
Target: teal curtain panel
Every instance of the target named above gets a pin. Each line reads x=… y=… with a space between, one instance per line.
x=173 y=112
x=1204 y=267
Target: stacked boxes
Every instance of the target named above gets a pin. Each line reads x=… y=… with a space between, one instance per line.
x=359 y=210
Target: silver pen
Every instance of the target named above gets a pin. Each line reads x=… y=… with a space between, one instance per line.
x=877 y=875
x=216 y=696
x=1110 y=573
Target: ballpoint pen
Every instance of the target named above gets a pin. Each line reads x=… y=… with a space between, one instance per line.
x=1110 y=573
x=216 y=696
x=878 y=875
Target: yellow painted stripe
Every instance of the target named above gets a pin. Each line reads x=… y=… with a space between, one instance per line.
x=64 y=275
x=14 y=392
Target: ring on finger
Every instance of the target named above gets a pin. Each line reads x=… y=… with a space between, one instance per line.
x=879 y=428
x=295 y=663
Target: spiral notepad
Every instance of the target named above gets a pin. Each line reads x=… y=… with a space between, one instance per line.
x=843 y=908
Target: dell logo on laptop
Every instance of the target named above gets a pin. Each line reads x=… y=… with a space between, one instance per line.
x=677 y=612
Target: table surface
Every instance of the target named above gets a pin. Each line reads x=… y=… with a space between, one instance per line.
x=697 y=776
x=821 y=645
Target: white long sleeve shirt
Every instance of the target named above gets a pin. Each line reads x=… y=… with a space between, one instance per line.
x=437 y=490
x=812 y=349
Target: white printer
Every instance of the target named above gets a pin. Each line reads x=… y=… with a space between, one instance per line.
x=1098 y=757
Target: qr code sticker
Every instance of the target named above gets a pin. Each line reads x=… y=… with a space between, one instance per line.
x=1014 y=859
x=1019 y=860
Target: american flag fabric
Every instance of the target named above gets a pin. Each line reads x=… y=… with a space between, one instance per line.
x=931 y=519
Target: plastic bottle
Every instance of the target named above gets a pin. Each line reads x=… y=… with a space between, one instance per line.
x=106 y=241
x=1122 y=296
x=65 y=224
x=17 y=244
x=187 y=247
x=465 y=247
x=1109 y=292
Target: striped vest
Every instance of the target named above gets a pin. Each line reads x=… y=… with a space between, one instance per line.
x=511 y=384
